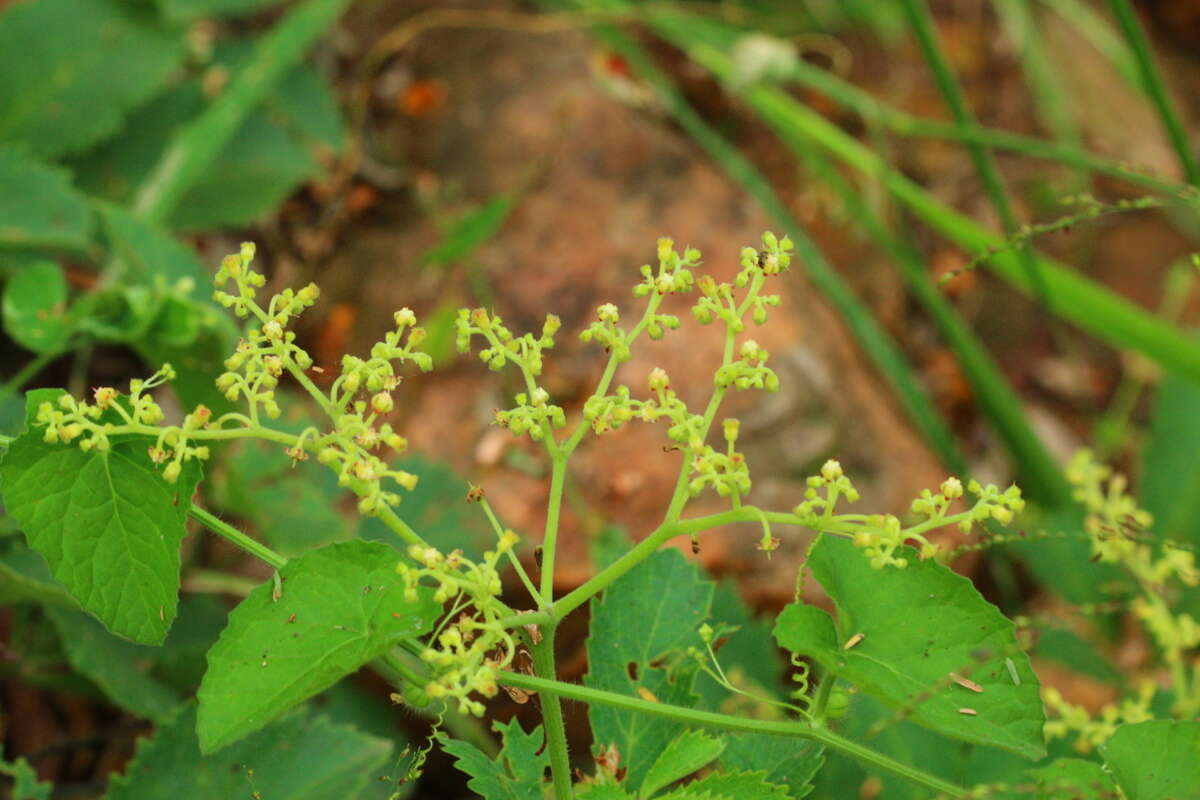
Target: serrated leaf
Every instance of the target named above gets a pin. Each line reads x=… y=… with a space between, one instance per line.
x=730 y=786
x=515 y=774
x=26 y=785
x=107 y=524
x=25 y=578
x=342 y=606
x=35 y=306
x=790 y=763
x=686 y=753
x=921 y=626
x=94 y=61
x=1156 y=760
x=118 y=667
x=299 y=757
x=645 y=615
x=39 y=207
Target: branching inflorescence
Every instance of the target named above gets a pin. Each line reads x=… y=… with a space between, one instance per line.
x=480 y=636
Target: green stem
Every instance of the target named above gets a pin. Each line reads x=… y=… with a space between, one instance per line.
x=1153 y=85
x=708 y=719
x=550 y=539
x=552 y=719
x=227 y=531
x=512 y=556
x=645 y=548
x=401 y=528
x=195 y=147
x=821 y=700
x=207 y=581
x=397 y=671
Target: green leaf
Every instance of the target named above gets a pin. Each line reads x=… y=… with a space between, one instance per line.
x=26 y=785
x=94 y=61
x=687 y=752
x=1156 y=760
x=1170 y=486
x=25 y=578
x=38 y=207
x=272 y=152
x=602 y=791
x=515 y=774
x=118 y=667
x=730 y=786
x=147 y=254
x=184 y=11
x=35 y=305
x=107 y=524
x=871 y=722
x=257 y=170
x=645 y=615
x=471 y=231
x=342 y=606
x=1063 y=779
x=791 y=763
x=300 y=757
x=920 y=627
x=747 y=654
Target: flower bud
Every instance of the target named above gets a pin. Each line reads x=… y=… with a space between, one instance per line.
x=382 y=403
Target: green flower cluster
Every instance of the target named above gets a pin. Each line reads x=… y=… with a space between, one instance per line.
x=880 y=536
x=534 y=414
x=468 y=653
x=1115 y=526
x=1091 y=732
x=70 y=419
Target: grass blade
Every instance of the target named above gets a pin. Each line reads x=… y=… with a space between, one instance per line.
x=985 y=165
x=1099 y=311
x=1036 y=468
x=1152 y=83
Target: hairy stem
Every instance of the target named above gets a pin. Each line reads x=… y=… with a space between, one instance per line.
x=552 y=719
x=227 y=531
x=555 y=689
